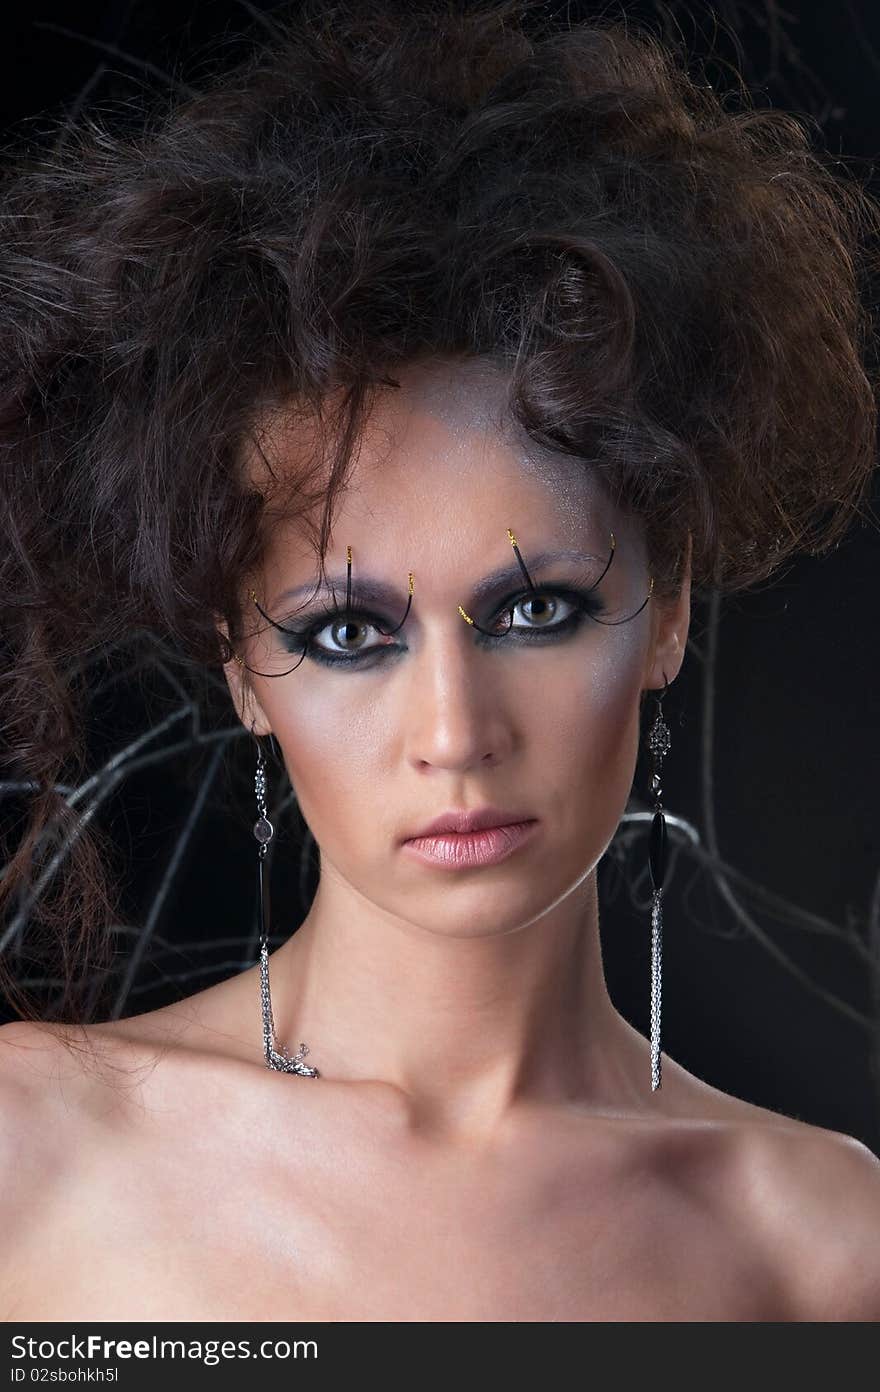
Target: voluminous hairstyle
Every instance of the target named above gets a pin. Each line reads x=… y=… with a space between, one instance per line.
x=671 y=278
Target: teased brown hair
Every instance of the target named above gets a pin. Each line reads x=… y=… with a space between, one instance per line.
x=672 y=279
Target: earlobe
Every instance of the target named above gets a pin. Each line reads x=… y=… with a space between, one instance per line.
x=246 y=704
x=247 y=707
x=670 y=638
x=666 y=662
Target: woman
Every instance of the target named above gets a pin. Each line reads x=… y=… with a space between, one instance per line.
x=414 y=373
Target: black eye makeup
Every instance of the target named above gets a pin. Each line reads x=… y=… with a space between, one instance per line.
x=339 y=636
x=537 y=605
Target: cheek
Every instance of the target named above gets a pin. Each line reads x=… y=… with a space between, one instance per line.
x=592 y=725
x=330 y=748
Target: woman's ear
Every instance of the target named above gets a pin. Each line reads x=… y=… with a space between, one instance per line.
x=241 y=689
x=671 y=623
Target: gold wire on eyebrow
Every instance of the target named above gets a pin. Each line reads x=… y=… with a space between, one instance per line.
x=516 y=552
x=522 y=566
x=389 y=632
x=608 y=623
x=386 y=632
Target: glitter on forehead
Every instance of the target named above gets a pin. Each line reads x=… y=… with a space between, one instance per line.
x=470 y=396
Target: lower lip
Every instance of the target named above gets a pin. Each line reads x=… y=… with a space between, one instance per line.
x=467 y=850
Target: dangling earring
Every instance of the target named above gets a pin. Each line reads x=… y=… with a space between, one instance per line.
x=659 y=743
x=276 y=1058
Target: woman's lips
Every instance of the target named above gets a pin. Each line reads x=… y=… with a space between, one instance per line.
x=467 y=850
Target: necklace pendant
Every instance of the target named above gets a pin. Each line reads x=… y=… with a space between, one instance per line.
x=278 y=1058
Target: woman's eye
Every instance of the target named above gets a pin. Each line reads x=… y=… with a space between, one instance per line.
x=540 y=610
x=348 y=633
x=346 y=637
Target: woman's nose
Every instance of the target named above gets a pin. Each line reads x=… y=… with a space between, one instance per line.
x=457 y=708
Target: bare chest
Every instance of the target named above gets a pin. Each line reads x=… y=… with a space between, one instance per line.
x=235 y=1221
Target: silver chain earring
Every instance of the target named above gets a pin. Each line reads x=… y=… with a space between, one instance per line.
x=277 y=1058
x=659 y=743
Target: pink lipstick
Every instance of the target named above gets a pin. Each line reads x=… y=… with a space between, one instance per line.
x=469 y=850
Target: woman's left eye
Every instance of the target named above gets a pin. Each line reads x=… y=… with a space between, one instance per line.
x=543 y=607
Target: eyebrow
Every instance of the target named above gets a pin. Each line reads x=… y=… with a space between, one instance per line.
x=368 y=590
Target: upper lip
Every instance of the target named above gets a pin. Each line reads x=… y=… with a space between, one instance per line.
x=461 y=821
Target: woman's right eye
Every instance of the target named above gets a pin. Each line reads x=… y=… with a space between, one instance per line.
x=350 y=630
x=346 y=638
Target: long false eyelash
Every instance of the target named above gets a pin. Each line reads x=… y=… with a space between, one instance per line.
x=303 y=655
x=609 y=623
x=612 y=623
x=522 y=565
x=389 y=632
x=386 y=632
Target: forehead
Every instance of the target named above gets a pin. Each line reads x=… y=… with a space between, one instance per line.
x=442 y=462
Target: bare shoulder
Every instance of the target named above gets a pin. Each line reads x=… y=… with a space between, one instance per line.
x=29 y=1147
x=32 y=1069
x=56 y=1082
x=815 y=1197
x=49 y=1068
x=805 y=1198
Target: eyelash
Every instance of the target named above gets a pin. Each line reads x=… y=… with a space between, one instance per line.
x=585 y=605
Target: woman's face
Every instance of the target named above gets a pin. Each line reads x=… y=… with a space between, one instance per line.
x=543 y=721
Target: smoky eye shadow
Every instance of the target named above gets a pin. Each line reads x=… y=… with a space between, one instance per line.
x=367 y=590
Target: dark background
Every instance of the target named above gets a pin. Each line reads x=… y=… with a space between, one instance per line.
x=772 y=919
